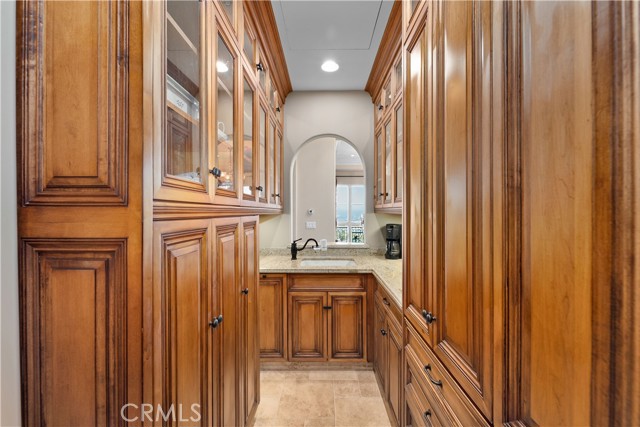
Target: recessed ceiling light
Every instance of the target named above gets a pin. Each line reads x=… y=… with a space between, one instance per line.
x=330 y=66
x=221 y=67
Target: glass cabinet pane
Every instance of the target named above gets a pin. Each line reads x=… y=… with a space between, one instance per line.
x=224 y=155
x=398 y=76
x=380 y=152
x=247 y=152
x=227 y=6
x=387 y=95
x=387 y=163
x=399 y=154
x=248 y=47
x=277 y=170
x=263 y=153
x=183 y=90
x=272 y=161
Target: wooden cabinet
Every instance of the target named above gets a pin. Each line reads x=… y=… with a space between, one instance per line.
x=272 y=317
x=509 y=190
x=250 y=343
x=388 y=344
x=327 y=326
x=385 y=86
x=217 y=133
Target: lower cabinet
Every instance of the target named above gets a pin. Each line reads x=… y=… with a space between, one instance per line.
x=387 y=363
x=273 y=317
x=327 y=326
x=203 y=344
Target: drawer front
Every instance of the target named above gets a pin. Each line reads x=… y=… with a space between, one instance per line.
x=446 y=395
x=326 y=282
x=420 y=411
x=393 y=310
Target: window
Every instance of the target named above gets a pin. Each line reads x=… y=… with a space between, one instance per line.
x=350 y=213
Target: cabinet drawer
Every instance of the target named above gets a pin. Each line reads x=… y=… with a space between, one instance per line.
x=420 y=412
x=326 y=282
x=393 y=310
x=445 y=394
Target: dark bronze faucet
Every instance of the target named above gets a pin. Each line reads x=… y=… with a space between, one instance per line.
x=294 y=247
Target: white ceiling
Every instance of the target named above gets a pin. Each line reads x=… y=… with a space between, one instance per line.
x=346 y=31
x=346 y=155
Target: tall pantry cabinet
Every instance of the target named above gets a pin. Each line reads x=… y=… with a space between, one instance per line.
x=520 y=213
x=149 y=141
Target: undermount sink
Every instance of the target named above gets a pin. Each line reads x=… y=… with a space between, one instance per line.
x=340 y=262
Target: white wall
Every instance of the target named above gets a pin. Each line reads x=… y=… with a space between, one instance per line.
x=348 y=115
x=9 y=325
x=315 y=177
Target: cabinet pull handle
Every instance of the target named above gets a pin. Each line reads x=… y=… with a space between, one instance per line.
x=427 y=414
x=427 y=369
x=380 y=107
x=383 y=332
x=245 y=291
x=264 y=276
x=327 y=307
x=215 y=172
x=216 y=321
x=385 y=302
x=259 y=188
x=428 y=316
x=380 y=194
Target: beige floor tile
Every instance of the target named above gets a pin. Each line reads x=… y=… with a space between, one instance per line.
x=369 y=389
x=361 y=412
x=271 y=388
x=272 y=375
x=268 y=407
x=296 y=375
x=278 y=422
x=304 y=400
x=366 y=376
x=333 y=375
x=320 y=422
x=346 y=388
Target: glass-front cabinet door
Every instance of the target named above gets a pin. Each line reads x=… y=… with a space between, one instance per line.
x=262 y=156
x=399 y=153
x=272 y=156
x=224 y=154
x=379 y=169
x=277 y=169
x=248 y=186
x=183 y=154
x=387 y=162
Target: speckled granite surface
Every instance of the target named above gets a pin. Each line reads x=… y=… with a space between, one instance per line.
x=387 y=271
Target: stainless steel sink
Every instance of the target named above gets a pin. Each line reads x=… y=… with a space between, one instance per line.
x=327 y=262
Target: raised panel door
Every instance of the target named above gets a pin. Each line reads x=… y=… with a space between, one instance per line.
x=250 y=344
x=307 y=326
x=182 y=311
x=346 y=325
x=73 y=308
x=380 y=343
x=462 y=322
x=394 y=355
x=273 y=320
x=227 y=295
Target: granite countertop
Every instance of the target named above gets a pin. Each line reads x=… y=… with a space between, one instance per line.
x=388 y=272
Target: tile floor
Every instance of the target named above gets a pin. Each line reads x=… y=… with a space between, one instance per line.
x=319 y=399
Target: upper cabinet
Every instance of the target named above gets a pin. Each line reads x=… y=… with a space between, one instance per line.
x=385 y=87
x=214 y=104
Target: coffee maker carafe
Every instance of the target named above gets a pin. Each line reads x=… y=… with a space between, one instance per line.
x=393 y=236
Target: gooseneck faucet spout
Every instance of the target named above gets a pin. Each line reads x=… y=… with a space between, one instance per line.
x=295 y=249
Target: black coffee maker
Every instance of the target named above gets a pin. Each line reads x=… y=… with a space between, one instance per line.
x=394 y=236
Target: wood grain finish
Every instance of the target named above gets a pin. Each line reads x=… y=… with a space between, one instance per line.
x=250 y=321
x=325 y=282
x=307 y=326
x=73 y=137
x=273 y=317
x=227 y=284
x=74 y=342
x=346 y=328
x=387 y=51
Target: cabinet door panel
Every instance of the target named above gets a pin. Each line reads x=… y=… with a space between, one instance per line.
x=272 y=317
x=346 y=327
x=307 y=326
x=73 y=298
x=180 y=269
x=250 y=320
x=463 y=328
x=395 y=369
x=227 y=284
x=380 y=340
